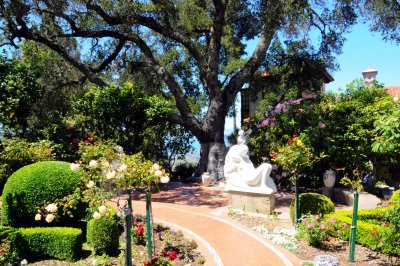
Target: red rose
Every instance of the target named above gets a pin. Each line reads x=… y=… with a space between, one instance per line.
x=173 y=255
x=164 y=253
x=140 y=230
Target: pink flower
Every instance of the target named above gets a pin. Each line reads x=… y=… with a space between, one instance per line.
x=309 y=226
x=339 y=232
x=304 y=220
x=332 y=219
x=345 y=225
x=322 y=226
x=321 y=125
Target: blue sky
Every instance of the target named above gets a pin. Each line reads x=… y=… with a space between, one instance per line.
x=361 y=49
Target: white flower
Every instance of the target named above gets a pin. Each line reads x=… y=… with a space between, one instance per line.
x=158 y=173
x=164 y=179
x=155 y=167
x=122 y=168
x=74 y=166
x=102 y=210
x=119 y=149
x=111 y=175
x=52 y=207
x=49 y=218
x=395 y=98
x=114 y=164
x=24 y=262
x=90 y=184
x=38 y=217
x=105 y=164
x=96 y=215
x=93 y=164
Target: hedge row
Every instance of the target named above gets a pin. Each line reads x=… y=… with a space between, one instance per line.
x=62 y=243
x=367 y=233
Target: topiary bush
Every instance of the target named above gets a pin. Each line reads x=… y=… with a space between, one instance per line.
x=312 y=203
x=34 y=185
x=396 y=197
x=62 y=243
x=103 y=234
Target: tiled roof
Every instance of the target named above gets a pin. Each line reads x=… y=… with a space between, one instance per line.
x=393 y=91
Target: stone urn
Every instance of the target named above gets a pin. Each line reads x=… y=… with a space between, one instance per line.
x=329 y=178
x=206 y=178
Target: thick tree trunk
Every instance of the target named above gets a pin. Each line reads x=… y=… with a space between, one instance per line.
x=212 y=159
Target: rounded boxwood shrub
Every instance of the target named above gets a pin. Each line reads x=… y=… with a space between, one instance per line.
x=313 y=203
x=103 y=234
x=396 y=197
x=33 y=185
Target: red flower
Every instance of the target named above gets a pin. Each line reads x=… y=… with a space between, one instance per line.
x=2 y=251
x=173 y=255
x=140 y=230
x=147 y=264
x=165 y=253
x=135 y=223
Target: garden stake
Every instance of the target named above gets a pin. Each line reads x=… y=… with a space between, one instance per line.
x=148 y=226
x=296 y=199
x=128 y=229
x=353 y=228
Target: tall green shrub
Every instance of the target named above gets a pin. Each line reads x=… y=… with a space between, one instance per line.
x=34 y=185
x=102 y=234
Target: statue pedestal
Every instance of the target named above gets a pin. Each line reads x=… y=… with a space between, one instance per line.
x=251 y=202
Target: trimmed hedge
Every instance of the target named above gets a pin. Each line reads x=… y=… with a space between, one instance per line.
x=370 y=229
x=312 y=203
x=103 y=234
x=62 y=243
x=33 y=185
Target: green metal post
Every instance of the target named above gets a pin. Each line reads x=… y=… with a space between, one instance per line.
x=353 y=228
x=128 y=234
x=296 y=201
x=148 y=227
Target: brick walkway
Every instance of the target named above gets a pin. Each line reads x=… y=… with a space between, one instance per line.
x=200 y=213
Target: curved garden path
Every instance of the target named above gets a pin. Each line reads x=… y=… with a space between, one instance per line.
x=200 y=213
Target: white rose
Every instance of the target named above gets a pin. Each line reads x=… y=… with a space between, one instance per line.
x=49 y=218
x=93 y=164
x=51 y=207
x=74 y=166
x=119 y=149
x=122 y=168
x=164 y=179
x=105 y=164
x=158 y=173
x=111 y=175
x=102 y=210
x=38 y=217
x=24 y=262
x=90 y=184
x=96 y=215
x=155 y=167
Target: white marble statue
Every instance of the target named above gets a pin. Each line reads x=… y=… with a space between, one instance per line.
x=240 y=173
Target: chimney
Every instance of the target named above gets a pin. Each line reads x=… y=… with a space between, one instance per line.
x=369 y=76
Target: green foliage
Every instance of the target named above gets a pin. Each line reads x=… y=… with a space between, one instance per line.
x=19 y=92
x=387 y=130
x=183 y=171
x=62 y=243
x=396 y=198
x=34 y=185
x=10 y=251
x=312 y=203
x=103 y=234
x=317 y=230
x=18 y=152
x=340 y=126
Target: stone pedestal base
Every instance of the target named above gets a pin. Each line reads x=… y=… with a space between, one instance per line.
x=252 y=202
x=328 y=191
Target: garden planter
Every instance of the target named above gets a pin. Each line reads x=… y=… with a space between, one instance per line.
x=206 y=178
x=329 y=178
